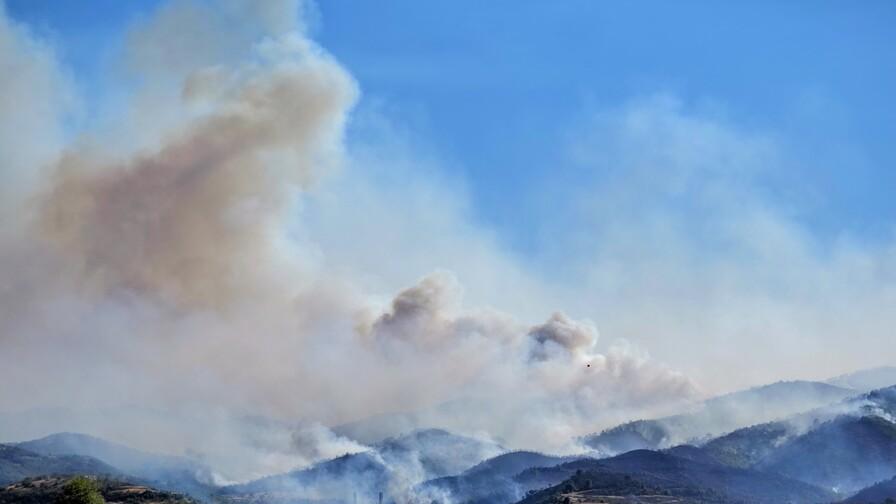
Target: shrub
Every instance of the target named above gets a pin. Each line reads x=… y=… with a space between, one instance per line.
x=80 y=490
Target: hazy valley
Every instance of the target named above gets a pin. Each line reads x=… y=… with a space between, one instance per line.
x=797 y=442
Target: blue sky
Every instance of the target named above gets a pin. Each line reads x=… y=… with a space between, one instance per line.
x=495 y=90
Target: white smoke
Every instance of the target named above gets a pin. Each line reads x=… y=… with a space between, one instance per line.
x=153 y=264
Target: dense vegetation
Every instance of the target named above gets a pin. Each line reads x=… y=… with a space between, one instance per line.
x=80 y=490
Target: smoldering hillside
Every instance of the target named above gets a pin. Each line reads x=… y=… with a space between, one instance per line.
x=151 y=270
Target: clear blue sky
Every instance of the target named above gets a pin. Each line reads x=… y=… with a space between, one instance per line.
x=494 y=88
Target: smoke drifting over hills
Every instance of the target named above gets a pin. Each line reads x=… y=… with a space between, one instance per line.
x=149 y=263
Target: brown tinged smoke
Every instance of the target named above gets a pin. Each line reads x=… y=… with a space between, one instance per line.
x=192 y=223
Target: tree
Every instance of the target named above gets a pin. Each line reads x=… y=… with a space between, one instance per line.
x=80 y=490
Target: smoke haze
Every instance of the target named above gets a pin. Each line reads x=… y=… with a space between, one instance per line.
x=216 y=267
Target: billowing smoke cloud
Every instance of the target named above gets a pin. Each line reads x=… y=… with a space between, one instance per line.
x=194 y=222
x=156 y=272
x=561 y=332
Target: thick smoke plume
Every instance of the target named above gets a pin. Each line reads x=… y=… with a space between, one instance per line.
x=193 y=223
x=150 y=270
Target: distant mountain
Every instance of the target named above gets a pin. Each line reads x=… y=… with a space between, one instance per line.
x=845 y=454
x=879 y=402
x=357 y=475
x=695 y=453
x=513 y=463
x=458 y=415
x=875 y=494
x=44 y=489
x=435 y=452
x=748 y=446
x=867 y=379
x=842 y=447
x=164 y=471
x=374 y=429
x=17 y=463
x=397 y=462
x=644 y=472
x=718 y=415
x=491 y=481
x=639 y=435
